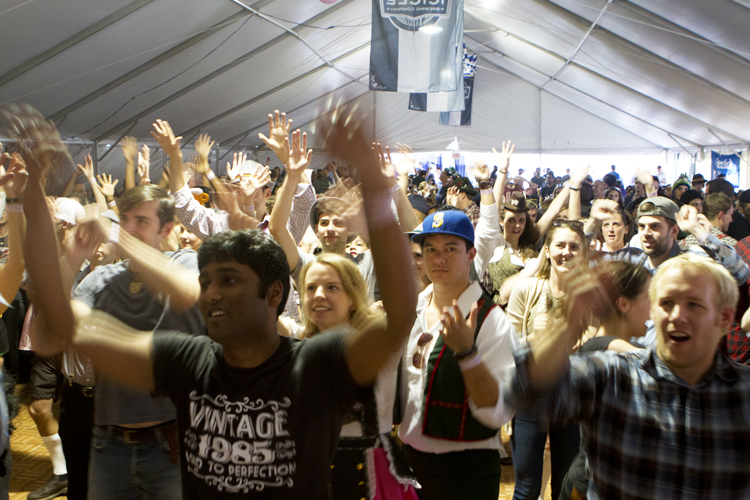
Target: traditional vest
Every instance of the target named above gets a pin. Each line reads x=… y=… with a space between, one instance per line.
x=446 y=413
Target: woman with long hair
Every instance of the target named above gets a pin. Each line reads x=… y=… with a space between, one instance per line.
x=333 y=294
x=565 y=250
x=517 y=244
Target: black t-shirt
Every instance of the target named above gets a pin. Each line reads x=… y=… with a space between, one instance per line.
x=270 y=431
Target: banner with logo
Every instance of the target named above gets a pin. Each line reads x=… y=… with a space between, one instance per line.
x=416 y=45
x=727 y=165
x=445 y=101
x=456 y=118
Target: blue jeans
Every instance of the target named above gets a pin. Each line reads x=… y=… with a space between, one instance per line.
x=122 y=471
x=528 y=441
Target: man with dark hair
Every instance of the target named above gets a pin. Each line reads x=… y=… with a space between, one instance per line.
x=448 y=400
x=258 y=413
x=658 y=220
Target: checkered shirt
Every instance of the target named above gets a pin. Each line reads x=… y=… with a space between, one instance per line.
x=647 y=433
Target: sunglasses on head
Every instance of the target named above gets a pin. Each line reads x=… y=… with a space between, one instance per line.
x=567 y=223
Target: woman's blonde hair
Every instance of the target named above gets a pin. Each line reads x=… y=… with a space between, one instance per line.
x=354 y=286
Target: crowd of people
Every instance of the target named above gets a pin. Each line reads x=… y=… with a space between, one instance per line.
x=366 y=330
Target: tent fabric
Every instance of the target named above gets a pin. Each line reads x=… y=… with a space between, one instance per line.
x=555 y=76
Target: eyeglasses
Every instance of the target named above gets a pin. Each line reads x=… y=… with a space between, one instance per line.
x=418 y=356
x=566 y=222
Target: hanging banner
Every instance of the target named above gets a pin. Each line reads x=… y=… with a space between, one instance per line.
x=726 y=165
x=456 y=118
x=416 y=45
x=444 y=101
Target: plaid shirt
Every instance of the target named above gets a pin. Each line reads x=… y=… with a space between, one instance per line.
x=712 y=248
x=472 y=211
x=723 y=237
x=737 y=343
x=647 y=433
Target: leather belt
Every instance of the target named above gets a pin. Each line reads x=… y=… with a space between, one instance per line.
x=145 y=435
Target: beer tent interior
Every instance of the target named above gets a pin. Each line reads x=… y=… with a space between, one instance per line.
x=575 y=77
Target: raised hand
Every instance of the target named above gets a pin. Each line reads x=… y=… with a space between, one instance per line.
x=644 y=177
x=165 y=137
x=278 y=133
x=129 y=147
x=578 y=174
x=690 y=221
x=87 y=169
x=451 y=197
x=342 y=132
x=298 y=155
x=107 y=186
x=15 y=178
x=405 y=163
x=144 y=165
x=603 y=209
x=386 y=165
x=481 y=170
x=503 y=158
x=203 y=147
x=233 y=169
x=457 y=332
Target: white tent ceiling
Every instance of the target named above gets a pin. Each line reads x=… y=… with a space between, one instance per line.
x=592 y=76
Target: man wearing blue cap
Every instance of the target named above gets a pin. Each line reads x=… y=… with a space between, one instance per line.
x=448 y=397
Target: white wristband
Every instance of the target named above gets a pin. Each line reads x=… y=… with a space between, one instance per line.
x=485 y=192
x=14 y=208
x=111 y=203
x=114 y=233
x=249 y=209
x=210 y=175
x=472 y=362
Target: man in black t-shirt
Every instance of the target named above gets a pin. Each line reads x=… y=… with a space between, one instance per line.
x=258 y=413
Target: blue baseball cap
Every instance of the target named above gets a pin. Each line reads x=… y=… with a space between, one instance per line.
x=452 y=222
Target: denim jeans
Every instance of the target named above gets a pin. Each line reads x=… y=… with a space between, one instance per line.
x=528 y=441
x=122 y=471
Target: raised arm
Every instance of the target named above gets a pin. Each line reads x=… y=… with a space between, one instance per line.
x=369 y=348
x=278 y=134
x=116 y=350
x=171 y=145
x=129 y=146
x=298 y=157
x=11 y=272
x=503 y=162
x=690 y=221
x=487 y=235
x=107 y=188
x=144 y=165
x=406 y=217
x=87 y=169
x=159 y=273
x=51 y=299
x=202 y=149
x=577 y=177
